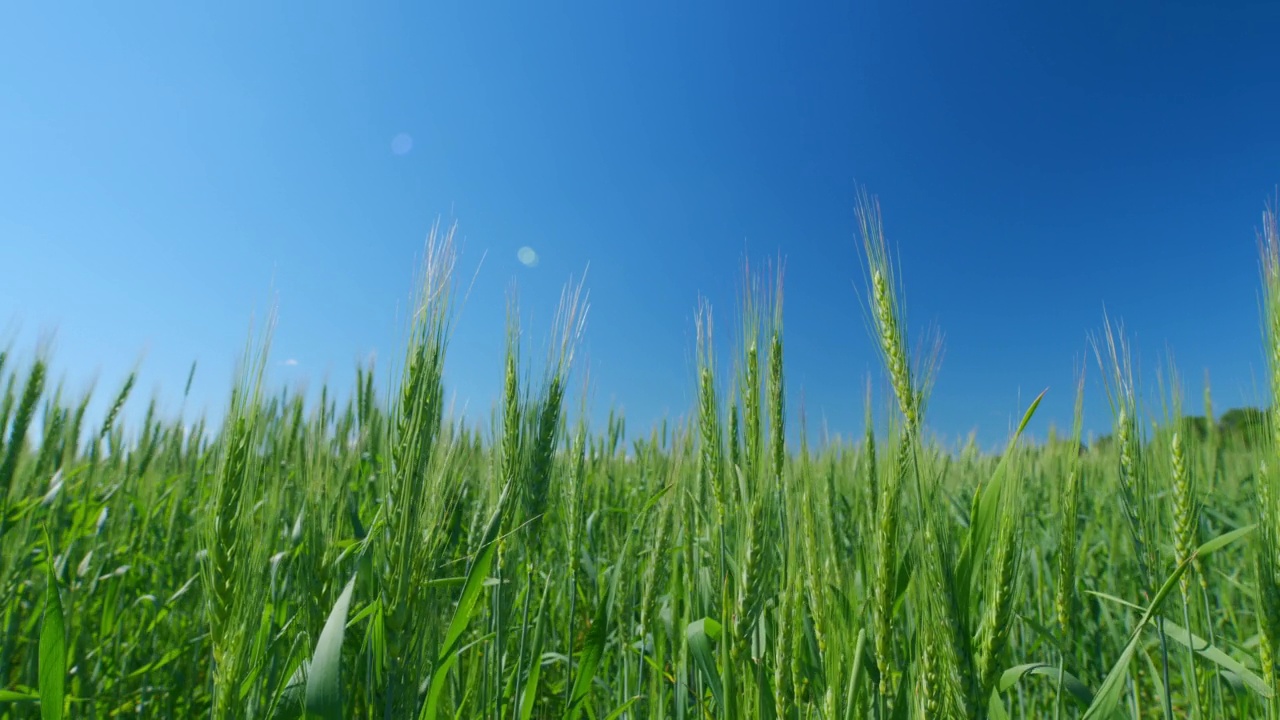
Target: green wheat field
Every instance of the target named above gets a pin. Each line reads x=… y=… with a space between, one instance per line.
x=377 y=558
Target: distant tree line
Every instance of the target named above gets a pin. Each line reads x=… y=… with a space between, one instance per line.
x=1239 y=428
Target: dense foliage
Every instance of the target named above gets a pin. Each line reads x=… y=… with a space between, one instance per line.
x=375 y=558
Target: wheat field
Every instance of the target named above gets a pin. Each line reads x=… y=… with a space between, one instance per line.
x=377 y=558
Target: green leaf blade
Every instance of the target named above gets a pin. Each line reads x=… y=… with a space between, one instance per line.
x=53 y=648
x=324 y=678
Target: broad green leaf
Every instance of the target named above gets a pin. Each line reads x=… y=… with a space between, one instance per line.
x=292 y=698
x=471 y=589
x=1179 y=634
x=1224 y=540
x=324 y=676
x=53 y=649
x=375 y=638
x=432 y=706
x=1070 y=682
x=592 y=652
x=995 y=707
x=530 y=690
x=983 y=524
x=476 y=577
x=700 y=634
x=13 y=696
x=368 y=610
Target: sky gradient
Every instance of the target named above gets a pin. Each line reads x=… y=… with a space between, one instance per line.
x=166 y=172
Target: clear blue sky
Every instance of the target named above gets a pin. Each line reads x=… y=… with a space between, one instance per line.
x=165 y=169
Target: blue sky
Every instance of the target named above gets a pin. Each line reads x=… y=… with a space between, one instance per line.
x=168 y=170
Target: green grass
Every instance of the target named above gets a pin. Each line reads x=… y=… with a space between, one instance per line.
x=375 y=558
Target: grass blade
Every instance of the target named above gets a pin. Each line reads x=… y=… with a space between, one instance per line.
x=471 y=589
x=591 y=654
x=1179 y=634
x=1070 y=682
x=324 y=678
x=700 y=634
x=622 y=708
x=1109 y=694
x=983 y=523
x=53 y=649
